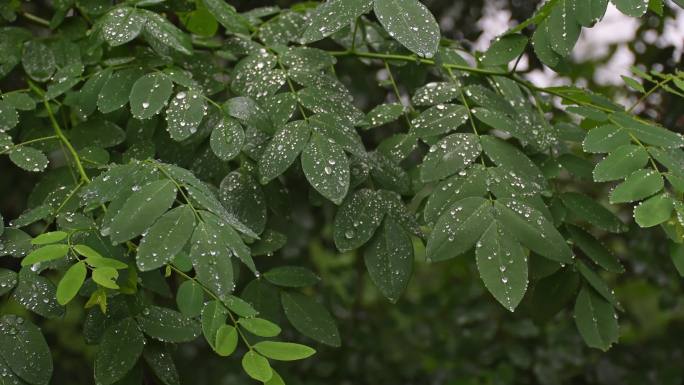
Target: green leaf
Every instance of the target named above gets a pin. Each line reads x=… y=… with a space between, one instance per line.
x=190 y=298
x=606 y=138
x=638 y=185
x=635 y=8
x=502 y=264
x=142 y=209
x=24 y=350
x=149 y=94
x=471 y=182
x=116 y=90
x=160 y=360
x=38 y=61
x=459 y=227
x=45 y=253
x=532 y=229
x=211 y=259
x=356 y=219
x=283 y=351
x=435 y=93
x=326 y=168
x=512 y=159
x=8 y=279
x=411 y=23
x=227 y=138
x=648 y=133
x=106 y=277
x=439 y=119
x=596 y=320
x=389 y=259
x=333 y=15
x=227 y=16
x=185 y=113
x=71 y=283
x=291 y=276
x=589 y=12
x=450 y=155
x=226 y=340
x=120 y=347
x=121 y=25
x=29 y=158
x=242 y=196
x=283 y=149
x=596 y=282
x=256 y=366
x=310 y=318
x=562 y=27
x=37 y=294
x=166 y=238
x=260 y=327
x=654 y=210
x=165 y=32
x=167 y=325
x=503 y=49
x=594 y=249
x=383 y=114
x=9 y=118
x=213 y=316
x=541 y=42
x=200 y=22
x=331 y=127
x=593 y=212
x=620 y=163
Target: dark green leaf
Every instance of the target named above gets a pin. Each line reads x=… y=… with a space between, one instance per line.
x=310 y=318
x=389 y=259
x=411 y=23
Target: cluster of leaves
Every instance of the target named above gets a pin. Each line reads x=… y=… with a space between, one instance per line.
x=167 y=150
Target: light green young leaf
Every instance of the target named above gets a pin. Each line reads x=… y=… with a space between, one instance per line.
x=326 y=168
x=502 y=264
x=411 y=23
x=283 y=351
x=45 y=253
x=596 y=320
x=256 y=366
x=166 y=238
x=106 y=277
x=47 y=238
x=226 y=340
x=71 y=283
x=149 y=95
x=389 y=259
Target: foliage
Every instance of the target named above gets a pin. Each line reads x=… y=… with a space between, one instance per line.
x=176 y=143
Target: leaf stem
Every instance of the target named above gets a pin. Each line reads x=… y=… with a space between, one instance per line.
x=35 y=19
